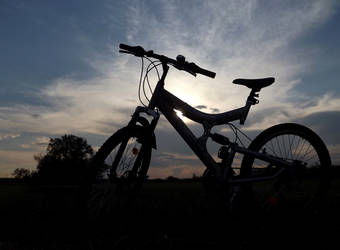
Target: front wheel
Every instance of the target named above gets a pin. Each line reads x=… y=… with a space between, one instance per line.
x=305 y=184
x=117 y=171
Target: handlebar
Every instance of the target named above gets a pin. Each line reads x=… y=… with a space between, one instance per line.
x=180 y=62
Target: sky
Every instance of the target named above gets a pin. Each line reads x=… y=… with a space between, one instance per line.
x=61 y=72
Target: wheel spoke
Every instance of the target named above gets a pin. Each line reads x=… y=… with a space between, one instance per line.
x=277 y=143
x=296 y=148
x=303 y=144
x=291 y=147
x=119 y=152
x=272 y=148
x=308 y=151
x=309 y=159
x=284 y=147
x=295 y=187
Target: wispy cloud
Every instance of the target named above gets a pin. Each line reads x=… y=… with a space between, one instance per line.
x=234 y=38
x=177 y=170
x=38 y=144
x=11 y=159
x=246 y=39
x=8 y=136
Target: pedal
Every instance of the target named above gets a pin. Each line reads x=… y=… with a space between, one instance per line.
x=233 y=198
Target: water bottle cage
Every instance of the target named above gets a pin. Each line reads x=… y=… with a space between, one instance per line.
x=223 y=152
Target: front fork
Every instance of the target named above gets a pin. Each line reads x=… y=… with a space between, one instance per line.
x=148 y=139
x=136 y=118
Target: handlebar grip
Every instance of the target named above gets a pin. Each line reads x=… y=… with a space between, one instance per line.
x=136 y=50
x=193 y=67
x=206 y=72
x=125 y=47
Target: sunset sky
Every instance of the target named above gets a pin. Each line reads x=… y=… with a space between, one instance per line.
x=61 y=73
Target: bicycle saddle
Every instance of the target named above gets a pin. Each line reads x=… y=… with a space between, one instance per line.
x=256 y=84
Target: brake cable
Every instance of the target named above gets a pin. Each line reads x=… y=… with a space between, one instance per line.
x=140 y=83
x=145 y=79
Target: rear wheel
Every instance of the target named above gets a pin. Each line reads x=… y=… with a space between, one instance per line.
x=304 y=185
x=117 y=172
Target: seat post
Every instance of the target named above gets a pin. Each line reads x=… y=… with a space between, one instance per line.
x=251 y=100
x=252 y=96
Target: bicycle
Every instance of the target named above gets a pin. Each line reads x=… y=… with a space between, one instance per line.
x=281 y=159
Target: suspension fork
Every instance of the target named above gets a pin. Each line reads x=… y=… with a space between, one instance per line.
x=122 y=146
x=148 y=138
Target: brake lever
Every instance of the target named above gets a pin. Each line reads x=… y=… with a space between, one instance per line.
x=192 y=73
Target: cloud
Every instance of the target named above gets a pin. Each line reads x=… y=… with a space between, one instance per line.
x=326 y=124
x=165 y=159
x=214 y=110
x=229 y=37
x=239 y=39
x=234 y=38
x=38 y=144
x=8 y=136
x=201 y=107
x=295 y=111
x=11 y=159
x=95 y=106
x=174 y=156
x=179 y=171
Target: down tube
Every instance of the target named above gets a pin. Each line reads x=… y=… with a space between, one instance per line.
x=198 y=148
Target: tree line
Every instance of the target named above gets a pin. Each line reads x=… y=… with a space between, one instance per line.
x=64 y=161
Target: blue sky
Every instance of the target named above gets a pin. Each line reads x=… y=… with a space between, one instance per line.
x=61 y=71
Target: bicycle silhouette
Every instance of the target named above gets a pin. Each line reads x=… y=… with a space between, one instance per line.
x=286 y=163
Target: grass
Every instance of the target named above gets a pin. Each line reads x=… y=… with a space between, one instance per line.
x=167 y=215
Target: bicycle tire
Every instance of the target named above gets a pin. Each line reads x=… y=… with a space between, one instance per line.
x=296 y=188
x=102 y=192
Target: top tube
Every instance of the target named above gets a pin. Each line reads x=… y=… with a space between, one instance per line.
x=197 y=115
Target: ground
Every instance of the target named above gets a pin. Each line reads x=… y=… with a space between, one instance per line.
x=167 y=215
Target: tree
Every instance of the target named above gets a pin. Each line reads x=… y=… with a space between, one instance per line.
x=64 y=160
x=21 y=173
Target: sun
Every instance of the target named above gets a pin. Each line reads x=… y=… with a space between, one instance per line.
x=180 y=115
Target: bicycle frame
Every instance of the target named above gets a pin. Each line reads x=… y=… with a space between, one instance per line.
x=167 y=103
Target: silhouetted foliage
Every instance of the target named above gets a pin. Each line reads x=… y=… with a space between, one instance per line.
x=21 y=173
x=65 y=159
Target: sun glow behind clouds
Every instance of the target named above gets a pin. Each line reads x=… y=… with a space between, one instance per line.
x=232 y=38
x=180 y=115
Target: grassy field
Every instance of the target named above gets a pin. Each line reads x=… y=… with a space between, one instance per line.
x=167 y=215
